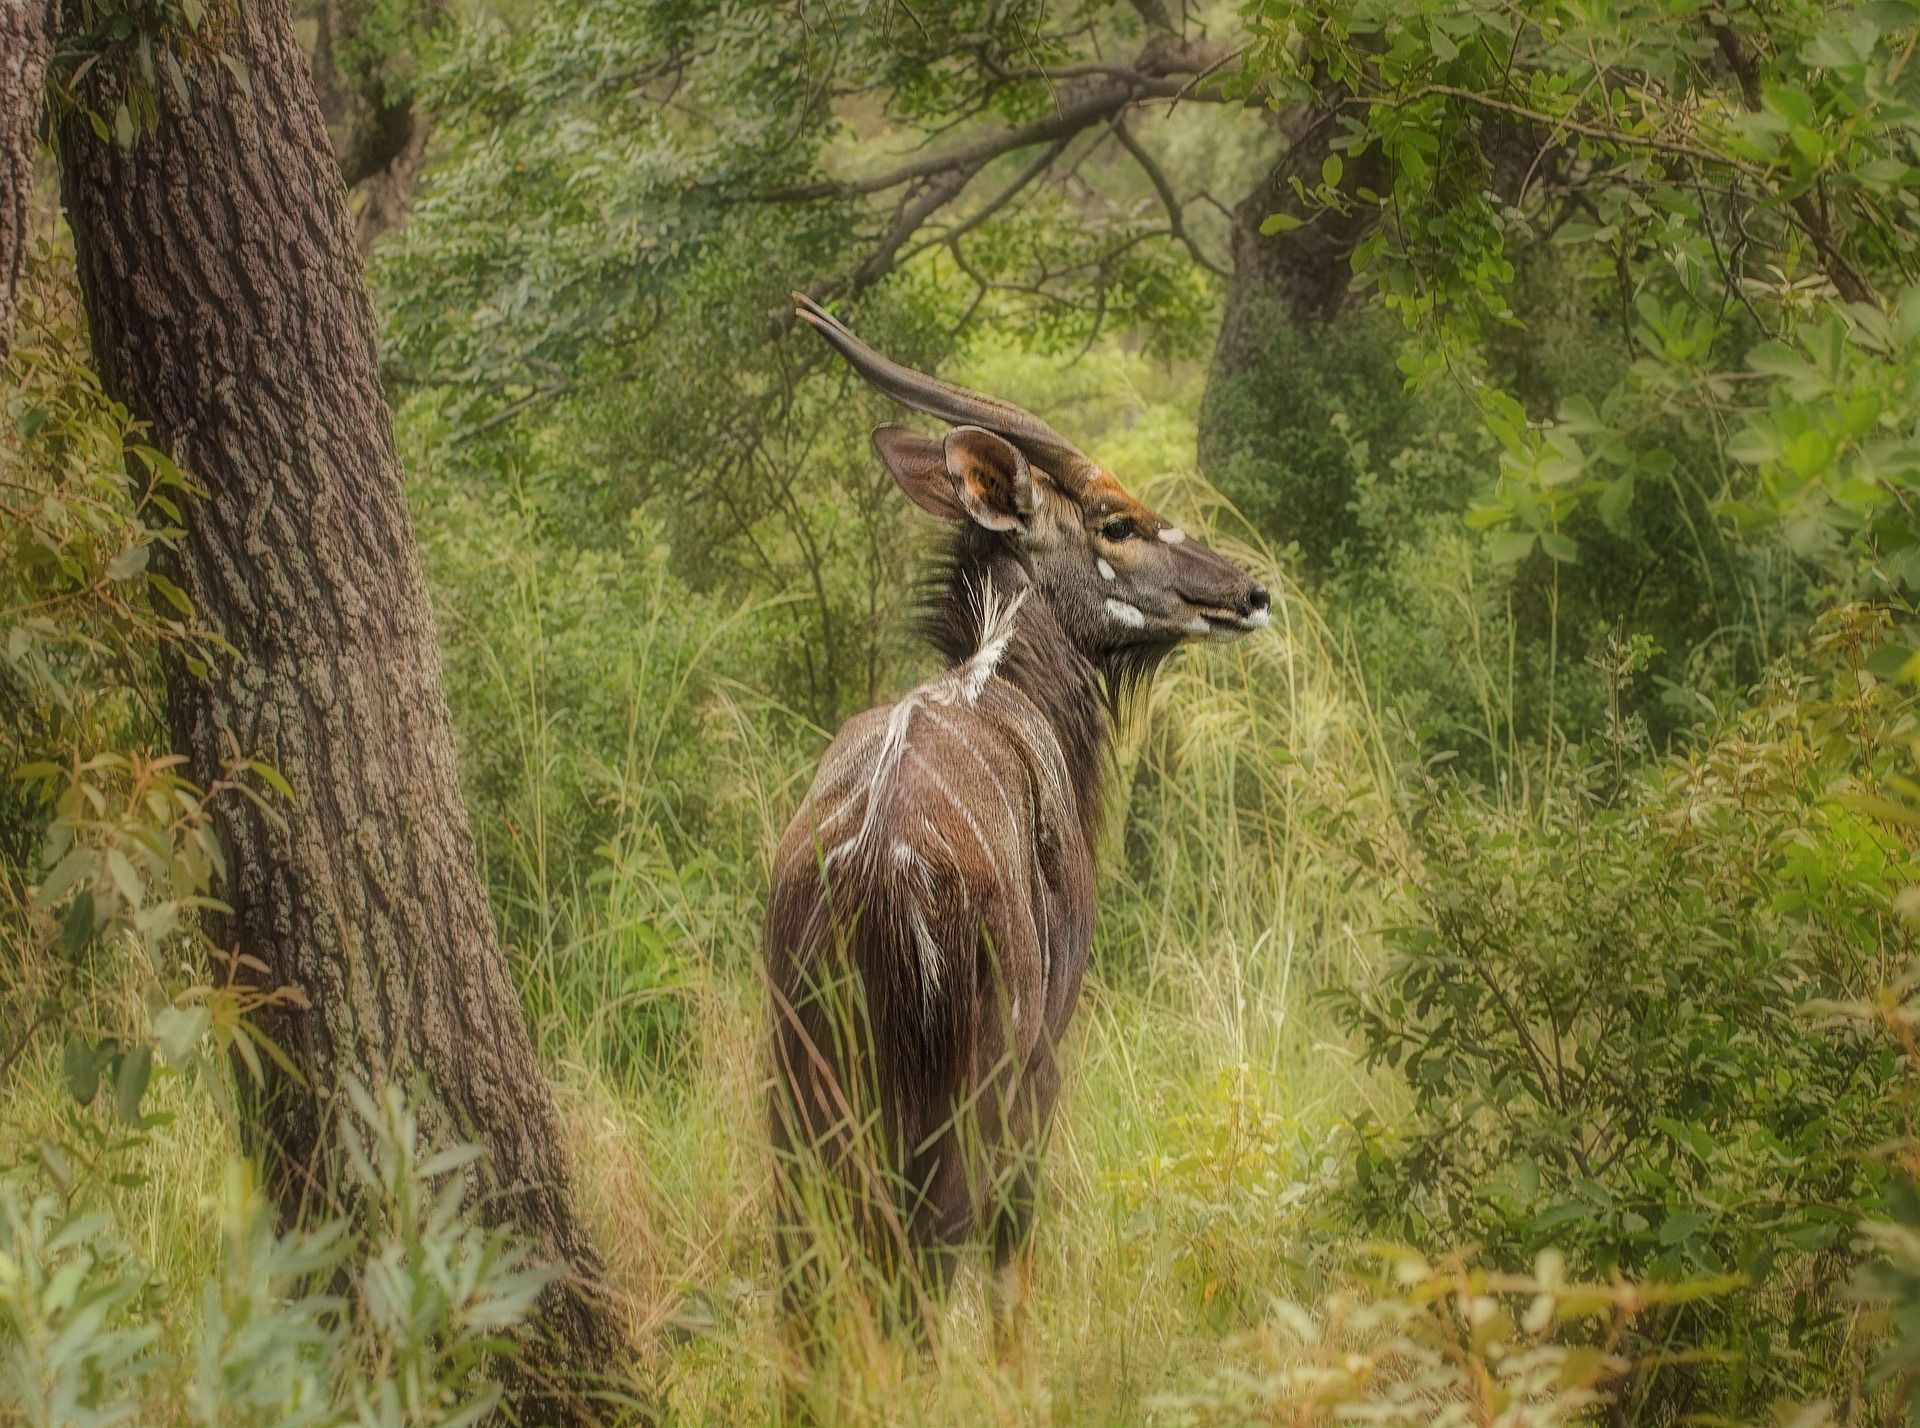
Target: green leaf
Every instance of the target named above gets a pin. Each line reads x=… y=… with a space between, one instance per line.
x=454 y=1157
x=1681 y=1226
x=76 y=931
x=158 y=463
x=1615 y=497
x=1560 y=547
x=125 y=880
x=1510 y=547
x=129 y=562
x=274 y=778
x=1884 y=809
x=1330 y=170
x=1279 y=223
x=1790 y=103
x=81 y=1066
x=238 y=69
x=176 y=76
x=1776 y=359
x=177 y=1031
x=172 y=593
x=1578 y=416
x=130 y=1083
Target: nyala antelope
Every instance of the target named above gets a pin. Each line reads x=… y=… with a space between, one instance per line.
x=932 y=901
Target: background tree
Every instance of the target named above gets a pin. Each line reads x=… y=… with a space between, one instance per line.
x=227 y=310
x=1732 y=191
x=671 y=182
x=26 y=42
x=367 y=57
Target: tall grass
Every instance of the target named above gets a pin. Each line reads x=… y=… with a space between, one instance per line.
x=1205 y=1091
x=1204 y=1095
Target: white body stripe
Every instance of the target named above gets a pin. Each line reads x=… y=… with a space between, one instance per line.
x=965 y=749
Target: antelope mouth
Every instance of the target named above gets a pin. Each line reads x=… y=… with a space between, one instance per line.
x=1224 y=624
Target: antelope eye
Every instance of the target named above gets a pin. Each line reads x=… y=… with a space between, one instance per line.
x=1118 y=529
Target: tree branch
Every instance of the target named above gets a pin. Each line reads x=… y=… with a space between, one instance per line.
x=1812 y=217
x=1158 y=178
x=379 y=133
x=1808 y=215
x=993 y=205
x=913 y=212
x=1154 y=75
x=1576 y=126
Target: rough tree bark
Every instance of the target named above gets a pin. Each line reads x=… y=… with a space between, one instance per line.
x=218 y=268
x=26 y=42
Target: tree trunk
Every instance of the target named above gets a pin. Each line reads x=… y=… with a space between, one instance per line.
x=217 y=263
x=26 y=41
x=1283 y=363
x=1305 y=269
x=379 y=134
x=388 y=192
x=1293 y=352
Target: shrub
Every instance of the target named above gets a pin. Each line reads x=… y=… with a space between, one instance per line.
x=402 y=1321
x=1439 y=1345
x=71 y=1349
x=1888 y=1284
x=1598 y=1004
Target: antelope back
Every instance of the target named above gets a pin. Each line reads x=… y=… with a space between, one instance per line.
x=931 y=918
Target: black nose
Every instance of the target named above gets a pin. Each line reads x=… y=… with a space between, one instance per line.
x=1254 y=601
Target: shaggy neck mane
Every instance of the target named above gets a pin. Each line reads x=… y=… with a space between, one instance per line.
x=1081 y=698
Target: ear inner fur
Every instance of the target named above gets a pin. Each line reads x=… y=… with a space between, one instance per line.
x=991 y=477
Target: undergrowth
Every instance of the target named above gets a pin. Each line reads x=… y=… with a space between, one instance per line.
x=1398 y=1093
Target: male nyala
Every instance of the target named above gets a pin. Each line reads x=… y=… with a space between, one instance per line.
x=932 y=902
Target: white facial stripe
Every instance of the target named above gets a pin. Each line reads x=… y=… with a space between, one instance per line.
x=1126 y=614
x=1173 y=535
x=1198 y=625
x=1258 y=619
x=1106 y=571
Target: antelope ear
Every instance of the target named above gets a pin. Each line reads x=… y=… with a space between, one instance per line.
x=919 y=464
x=991 y=477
